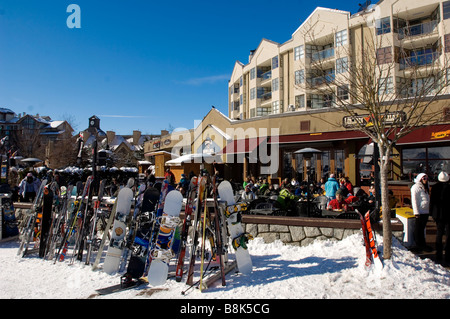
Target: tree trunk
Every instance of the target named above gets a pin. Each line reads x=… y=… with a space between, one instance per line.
x=386 y=210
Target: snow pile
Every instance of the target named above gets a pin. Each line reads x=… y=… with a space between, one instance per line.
x=324 y=269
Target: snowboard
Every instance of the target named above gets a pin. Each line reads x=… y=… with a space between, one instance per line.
x=144 y=221
x=46 y=220
x=238 y=236
x=117 y=242
x=161 y=255
x=10 y=228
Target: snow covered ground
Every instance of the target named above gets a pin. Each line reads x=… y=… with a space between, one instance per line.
x=322 y=270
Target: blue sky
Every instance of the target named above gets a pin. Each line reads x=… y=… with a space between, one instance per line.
x=136 y=64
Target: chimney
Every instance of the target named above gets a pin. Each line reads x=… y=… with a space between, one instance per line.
x=164 y=132
x=110 y=135
x=252 y=52
x=136 y=137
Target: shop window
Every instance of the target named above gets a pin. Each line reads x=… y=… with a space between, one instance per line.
x=429 y=160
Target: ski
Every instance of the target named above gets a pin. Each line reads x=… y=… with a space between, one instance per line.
x=376 y=259
x=28 y=230
x=238 y=237
x=189 y=207
x=91 y=241
x=209 y=281
x=124 y=285
x=369 y=257
x=203 y=196
x=195 y=233
x=220 y=234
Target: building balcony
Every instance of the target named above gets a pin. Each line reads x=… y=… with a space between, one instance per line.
x=322 y=55
x=418 y=30
x=419 y=60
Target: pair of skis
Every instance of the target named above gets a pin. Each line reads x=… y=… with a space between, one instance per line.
x=372 y=258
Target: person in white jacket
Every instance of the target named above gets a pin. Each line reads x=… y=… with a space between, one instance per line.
x=420 y=200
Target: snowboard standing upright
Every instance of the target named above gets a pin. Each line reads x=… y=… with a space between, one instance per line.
x=144 y=221
x=46 y=220
x=238 y=236
x=117 y=242
x=161 y=255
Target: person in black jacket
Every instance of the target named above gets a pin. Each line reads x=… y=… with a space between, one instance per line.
x=440 y=193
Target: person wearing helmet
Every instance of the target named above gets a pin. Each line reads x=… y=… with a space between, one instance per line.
x=420 y=200
x=439 y=195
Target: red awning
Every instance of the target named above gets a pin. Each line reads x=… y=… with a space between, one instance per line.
x=244 y=146
x=427 y=134
x=319 y=137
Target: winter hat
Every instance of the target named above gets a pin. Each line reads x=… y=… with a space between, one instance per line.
x=443 y=177
x=419 y=177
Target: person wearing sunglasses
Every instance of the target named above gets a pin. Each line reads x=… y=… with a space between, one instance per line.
x=420 y=200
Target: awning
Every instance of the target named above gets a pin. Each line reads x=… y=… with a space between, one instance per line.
x=427 y=134
x=194 y=158
x=319 y=137
x=243 y=146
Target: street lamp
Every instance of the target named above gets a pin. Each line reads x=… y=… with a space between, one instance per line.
x=308 y=153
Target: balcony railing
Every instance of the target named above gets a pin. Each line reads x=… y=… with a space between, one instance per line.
x=417 y=29
x=323 y=55
x=419 y=60
x=266 y=76
x=266 y=96
x=322 y=79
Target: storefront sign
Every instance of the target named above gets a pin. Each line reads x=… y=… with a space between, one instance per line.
x=367 y=120
x=439 y=135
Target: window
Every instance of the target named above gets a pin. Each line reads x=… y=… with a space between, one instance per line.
x=299 y=52
x=300 y=101
x=262 y=111
x=274 y=62
x=252 y=93
x=241 y=99
x=429 y=160
x=447 y=42
x=446 y=7
x=305 y=126
x=383 y=25
x=342 y=65
x=275 y=84
x=385 y=86
x=252 y=73
x=384 y=55
x=241 y=81
x=300 y=77
x=341 y=38
x=342 y=92
x=276 y=107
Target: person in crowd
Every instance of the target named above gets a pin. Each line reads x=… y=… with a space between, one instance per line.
x=29 y=187
x=338 y=203
x=331 y=186
x=248 y=193
x=420 y=200
x=170 y=176
x=439 y=195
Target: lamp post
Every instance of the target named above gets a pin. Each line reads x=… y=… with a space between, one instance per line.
x=308 y=153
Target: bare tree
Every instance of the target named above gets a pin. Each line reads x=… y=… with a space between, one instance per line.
x=385 y=88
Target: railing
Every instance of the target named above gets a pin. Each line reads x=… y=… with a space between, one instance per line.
x=322 y=55
x=266 y=76
x=417 y=29
x=322 y=79
x=419 y=60
x=266 y=96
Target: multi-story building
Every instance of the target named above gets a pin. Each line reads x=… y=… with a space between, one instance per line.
x=280 y=78
x=301 y=86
